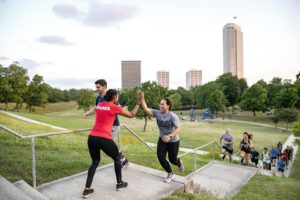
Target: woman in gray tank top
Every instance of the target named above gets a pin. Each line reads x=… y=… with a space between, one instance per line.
x=168 y=140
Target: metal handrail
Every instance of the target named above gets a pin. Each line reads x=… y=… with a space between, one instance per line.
x=197 y=148
x=32 y=137
x=194 y=151
x=140 y=139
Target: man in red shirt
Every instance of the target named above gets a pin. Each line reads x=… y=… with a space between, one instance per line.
x=100 y=137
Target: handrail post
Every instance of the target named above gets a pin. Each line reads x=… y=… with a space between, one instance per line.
x=213 y=149
x=195 y=161
x=119 y=140
x=33 y=162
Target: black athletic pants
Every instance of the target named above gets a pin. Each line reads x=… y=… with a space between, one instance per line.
x=172 y=149
x=110 y=148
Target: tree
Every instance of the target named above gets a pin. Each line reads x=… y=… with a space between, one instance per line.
x=231 y=87
x=216 y=101
x=18 y=79
x=86 y=99
x=211 y=96
x=56 y=95
x=254 y=99
x=6 y=91
x=287 y=115
x=153 y=95
x=176 y=100
x=273 y=89
x=186 y=96
x=37 y=93
x=287 y=97
x=297 y=86
x=243 y=86
x=296 y=127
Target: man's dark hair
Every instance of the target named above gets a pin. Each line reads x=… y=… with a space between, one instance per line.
x=101 y=82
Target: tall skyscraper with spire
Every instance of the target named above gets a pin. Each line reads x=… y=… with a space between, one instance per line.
x=233 y=50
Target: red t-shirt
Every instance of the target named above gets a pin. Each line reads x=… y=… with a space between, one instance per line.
x=105 y=116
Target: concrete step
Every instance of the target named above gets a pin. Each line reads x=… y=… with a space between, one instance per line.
x=221 y=179
x=9 y=191
x=30 y=191
x=143 y=183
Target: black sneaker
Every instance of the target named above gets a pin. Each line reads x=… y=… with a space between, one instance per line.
x=121 y=186
x=86 y=192
x=125 y=163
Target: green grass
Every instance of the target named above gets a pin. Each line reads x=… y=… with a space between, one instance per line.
x=193 y=134
x=188 y=196
x=295 y=172
x=269 y=187
x=22 y=127
x=50 y=107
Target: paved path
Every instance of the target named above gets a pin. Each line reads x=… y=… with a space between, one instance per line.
x=32 y=121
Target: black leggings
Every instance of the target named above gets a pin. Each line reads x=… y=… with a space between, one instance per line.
x=172 y=149
x=110 y=148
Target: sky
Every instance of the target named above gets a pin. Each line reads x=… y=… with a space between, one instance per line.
x=72 y=43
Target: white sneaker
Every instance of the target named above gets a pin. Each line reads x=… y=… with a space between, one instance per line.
x=169 y=177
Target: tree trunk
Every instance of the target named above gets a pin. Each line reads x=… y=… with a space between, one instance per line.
x=145 y=126
x=254 y=115
x=287 y=127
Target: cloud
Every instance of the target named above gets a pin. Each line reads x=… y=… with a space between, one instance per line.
x=98 y=14
x=66 y=11
x=54 y=40
x=28 y=63
x=72 y=82
x=4 y=57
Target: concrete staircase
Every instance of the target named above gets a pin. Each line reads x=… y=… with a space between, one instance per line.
x=143 y=183
x=217 y=178
x=221 y=179
x=18 y=191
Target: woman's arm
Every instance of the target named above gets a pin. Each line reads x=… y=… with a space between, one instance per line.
x=147 y=110
x=90 y=112
x=129 y=114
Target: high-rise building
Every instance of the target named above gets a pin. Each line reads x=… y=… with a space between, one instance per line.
x=131 y=74
x=193 y=78
x=163 y=78
x=233 y=50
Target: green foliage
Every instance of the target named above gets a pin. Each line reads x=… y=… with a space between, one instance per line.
x=18 y=80
x=176 y=101
x=37 y=93
x=231 y=88
x=273 y=88
x=153 y=95
x=287 y=115
x=216 y=101
x=186 y=96
x=254 y=99
x=57 y=95
x=13 y=84
x=210 y=96
x=6 y=91
x=287 y=97
x=86 y=99
x=296 y=127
